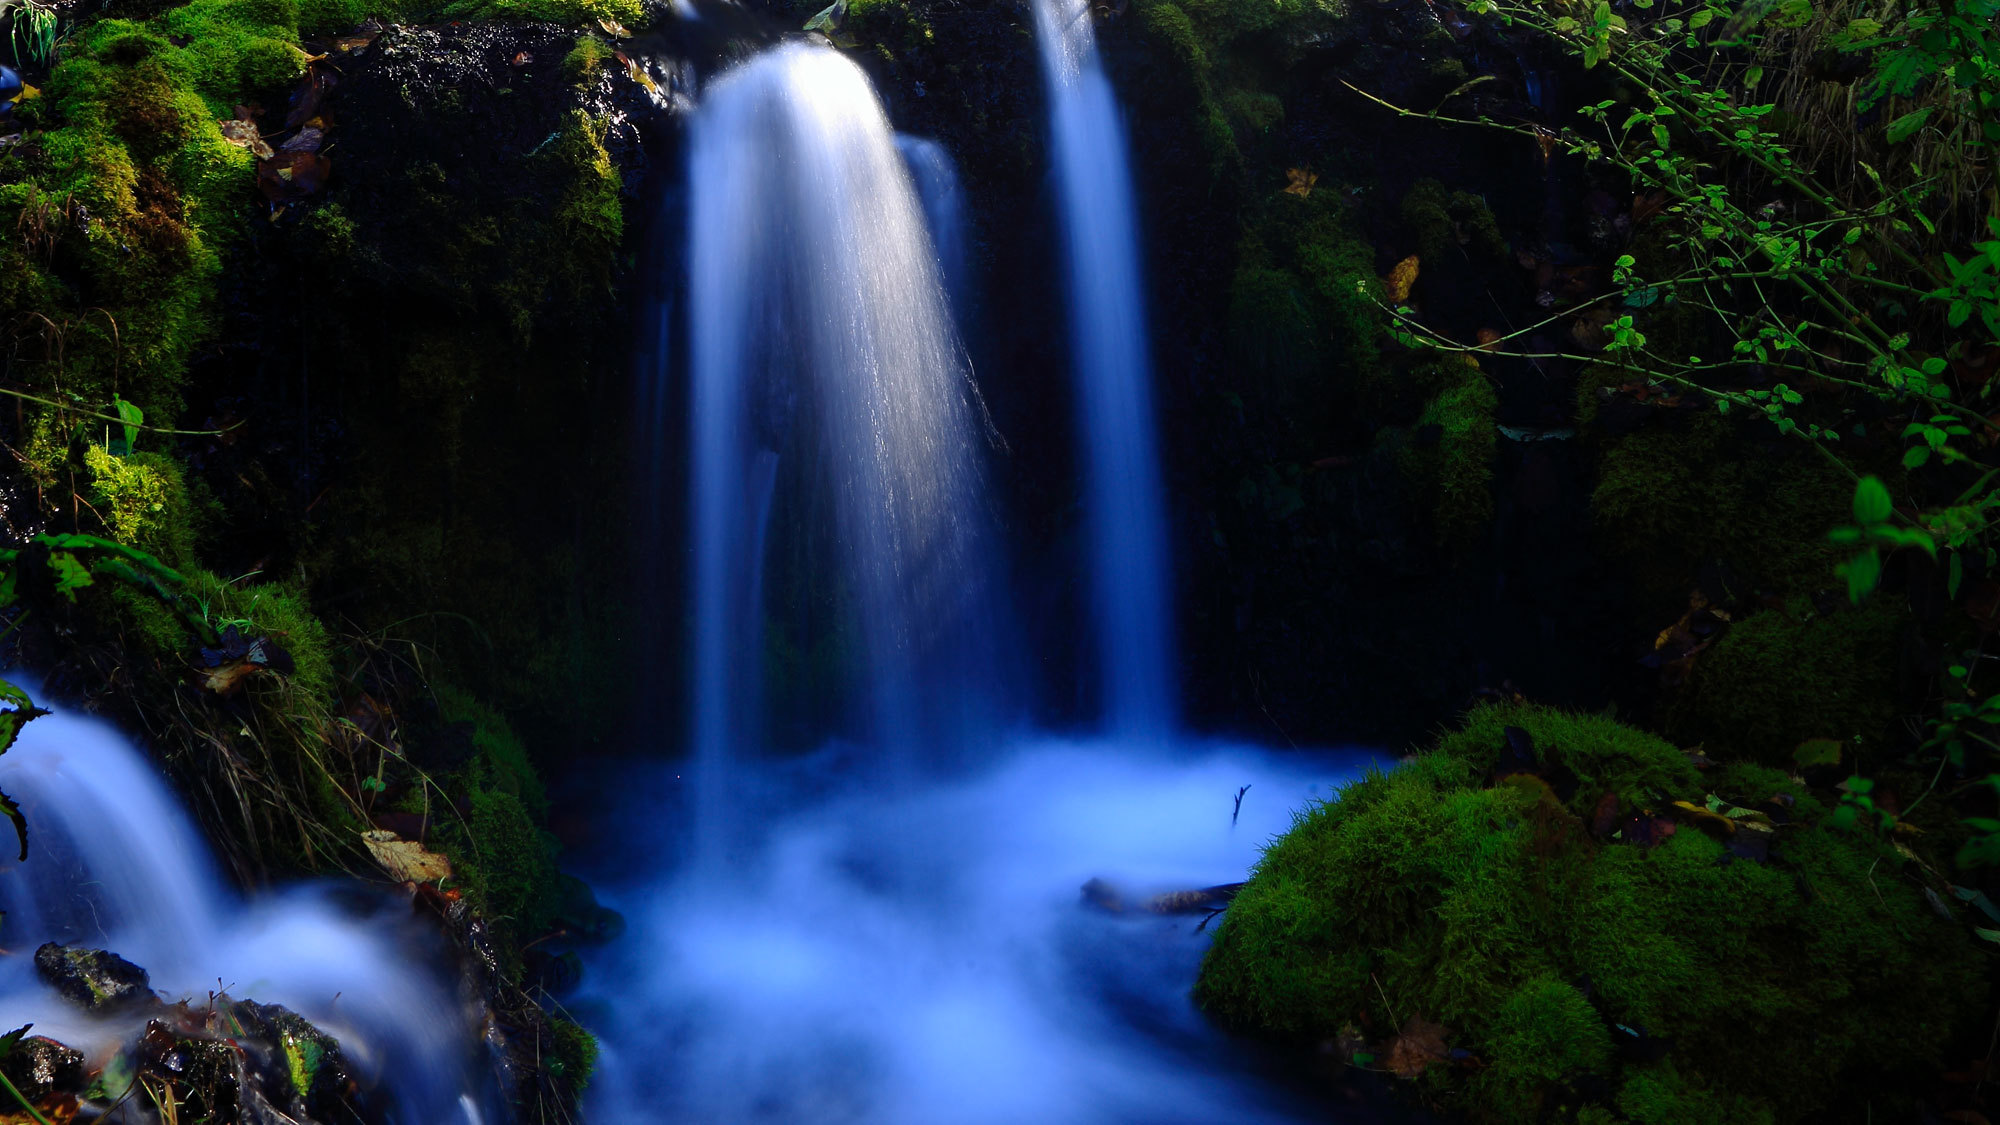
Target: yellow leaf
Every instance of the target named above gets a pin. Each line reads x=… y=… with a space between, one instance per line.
x=406 y=860
x=1401 y=279
x=1302 y=182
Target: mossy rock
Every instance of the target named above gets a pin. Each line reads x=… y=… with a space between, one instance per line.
x=1691 y=488
x=1767 y=991
x=1788 y=674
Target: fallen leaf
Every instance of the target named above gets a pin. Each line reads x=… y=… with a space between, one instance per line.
x=1700 y=817
x=308 y=139
x=1302 y=181
x=1489 y=340
x=614 y=29
x=243 y=133
x=1419 y=1045
x=1401 y=279
x=406 y=860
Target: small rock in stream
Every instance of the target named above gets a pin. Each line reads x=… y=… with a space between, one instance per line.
x=93 y=979
x=39 y=1066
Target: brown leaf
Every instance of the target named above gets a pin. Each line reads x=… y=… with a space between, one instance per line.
x=405 y=860
x=1401 y=279
x=228 y=678
x=1489 y=340
x=243 y=133
x=1418 y=1046
x=1302 y=181
x=1546 y=141
x=614 y=29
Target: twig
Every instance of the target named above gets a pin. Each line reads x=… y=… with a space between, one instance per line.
x=1238 y=810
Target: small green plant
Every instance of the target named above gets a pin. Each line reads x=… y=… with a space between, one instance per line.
x=33 y=31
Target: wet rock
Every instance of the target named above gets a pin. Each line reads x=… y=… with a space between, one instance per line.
x=93 y=979
x=238 y=1062
x=39 y=1066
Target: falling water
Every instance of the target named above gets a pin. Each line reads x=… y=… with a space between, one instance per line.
x=819 y=324
x=1128 y=551
x=116 y=864
x=852 y=940
x=936 y=179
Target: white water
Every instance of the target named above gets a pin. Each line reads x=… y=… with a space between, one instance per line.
x=819 y=327
x=1129 y=562
x=114 y=863
x=924 y=959
x=861 y=935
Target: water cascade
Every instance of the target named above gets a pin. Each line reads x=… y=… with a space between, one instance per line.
x=116 y=864
x=859 y=937
x=1108 y=353
x=820 y=332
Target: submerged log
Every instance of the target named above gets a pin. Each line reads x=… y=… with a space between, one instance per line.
x=1206 y=900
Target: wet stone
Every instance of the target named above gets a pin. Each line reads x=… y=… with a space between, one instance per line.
x=39 y=1066
x=93 y=979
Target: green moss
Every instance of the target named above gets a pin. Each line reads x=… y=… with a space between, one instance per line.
x=1545 y=1032
x=1605 y=755
x=585 y=59
x=1784 y=675
x=275 y=610
x=1686 y=491
x=505 y=863
x=1450 y=462
x=1447 y=225
x=1494 y=912
x=1298 y=304
x=575 y=1053
x=143 y=501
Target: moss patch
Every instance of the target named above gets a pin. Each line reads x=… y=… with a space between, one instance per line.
x=1495 y=911
x=1790 y=673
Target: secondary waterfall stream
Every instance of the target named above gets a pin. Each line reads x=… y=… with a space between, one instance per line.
x=1129 y=570
x=887 y=929
x=117 y=864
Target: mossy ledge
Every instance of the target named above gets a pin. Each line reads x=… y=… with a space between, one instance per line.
x=1580 y=975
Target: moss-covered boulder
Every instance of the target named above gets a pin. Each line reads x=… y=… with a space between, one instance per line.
x=1586 y=956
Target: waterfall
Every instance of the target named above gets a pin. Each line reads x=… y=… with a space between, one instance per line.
x=115 y=863
x=936 y=179
x=1108 y=353
x=820 y=333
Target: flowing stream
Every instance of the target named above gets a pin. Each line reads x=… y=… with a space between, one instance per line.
x=116 y=864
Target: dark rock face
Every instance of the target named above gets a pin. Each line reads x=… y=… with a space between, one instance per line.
x=93 y=979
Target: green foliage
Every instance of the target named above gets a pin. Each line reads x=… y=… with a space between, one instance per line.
x=1484 y=908
x=16 y=711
